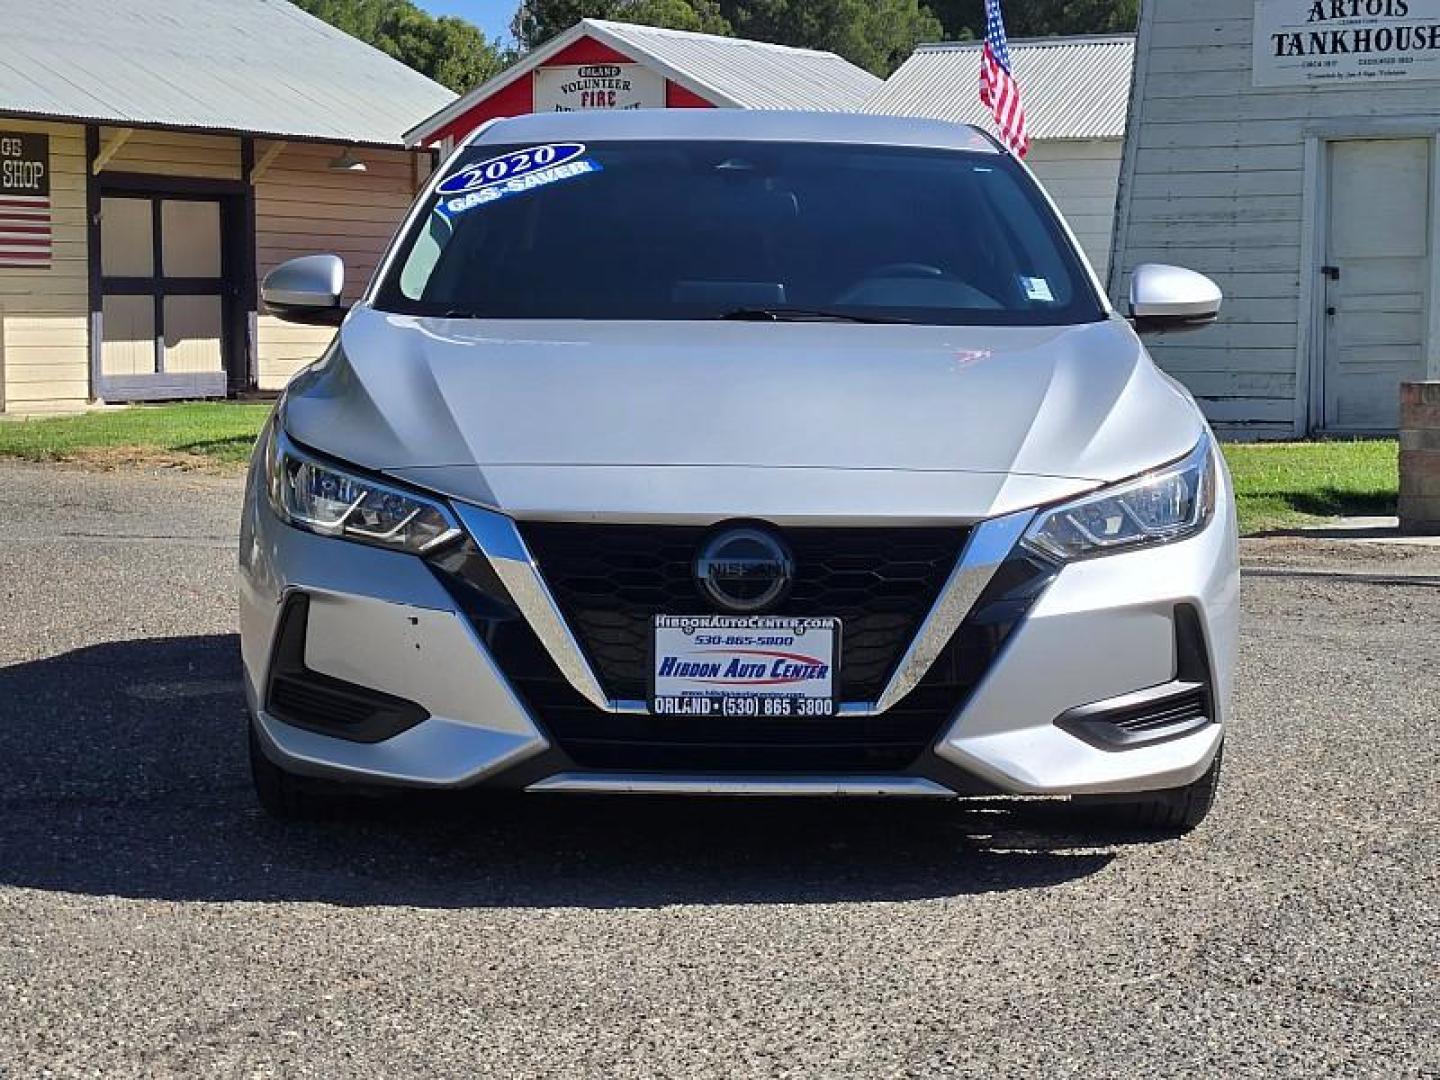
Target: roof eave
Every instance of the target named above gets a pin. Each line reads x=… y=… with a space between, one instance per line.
x=1055 y=40
x=199 y=129
x=674 y=74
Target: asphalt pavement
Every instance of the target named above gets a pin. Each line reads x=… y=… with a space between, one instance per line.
x=153 y=923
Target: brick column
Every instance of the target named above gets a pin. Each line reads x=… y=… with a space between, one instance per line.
x=1420 y=457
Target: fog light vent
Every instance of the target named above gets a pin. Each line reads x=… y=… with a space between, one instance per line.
x=1161 y=712
x=1146 y=716
x=321 y=703
x=1184 y=708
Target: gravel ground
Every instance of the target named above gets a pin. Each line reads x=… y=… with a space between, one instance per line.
x=153 y=923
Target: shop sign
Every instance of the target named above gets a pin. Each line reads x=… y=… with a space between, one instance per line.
x=25 y=232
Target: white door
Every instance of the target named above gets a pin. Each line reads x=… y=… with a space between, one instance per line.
x=163 y=292
x=1376 y=279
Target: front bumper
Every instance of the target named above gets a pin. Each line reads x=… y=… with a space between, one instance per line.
x=1100 y=630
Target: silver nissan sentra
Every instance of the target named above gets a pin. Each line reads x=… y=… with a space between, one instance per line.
x=736 y=453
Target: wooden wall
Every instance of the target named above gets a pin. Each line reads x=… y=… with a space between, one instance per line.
x=44 y=313
x=1215 y=178
x=1209 y=183
x=302 y=208
x=1082 y=177
x=174 y=153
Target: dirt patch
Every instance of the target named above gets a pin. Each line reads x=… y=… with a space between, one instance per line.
x=1299 y=552
x=116 y=458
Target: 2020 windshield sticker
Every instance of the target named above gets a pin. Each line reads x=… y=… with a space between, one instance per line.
x=510 y=174
x=498 y=170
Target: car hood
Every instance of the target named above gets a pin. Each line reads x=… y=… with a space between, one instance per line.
x=701 y=421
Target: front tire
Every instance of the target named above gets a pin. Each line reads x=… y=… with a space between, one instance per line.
x=1175 y=812
x=281 y=794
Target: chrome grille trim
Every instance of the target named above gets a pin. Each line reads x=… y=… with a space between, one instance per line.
x=501 y=542
x=986 y=548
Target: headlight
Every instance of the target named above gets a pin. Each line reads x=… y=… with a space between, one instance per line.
x=320 y=498
x=1169 y=504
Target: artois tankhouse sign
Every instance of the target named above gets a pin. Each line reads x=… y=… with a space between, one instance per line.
x=1318 y=43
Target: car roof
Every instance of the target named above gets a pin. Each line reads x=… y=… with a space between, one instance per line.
x=737 y=125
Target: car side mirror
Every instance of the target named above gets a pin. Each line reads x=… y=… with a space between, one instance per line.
x=1164 y=299
x=307 y=290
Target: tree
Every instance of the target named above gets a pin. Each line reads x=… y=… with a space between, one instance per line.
x=537 y=21
x=463 y=57
x=1039 y=18
x=875 y=34
x=451 y=51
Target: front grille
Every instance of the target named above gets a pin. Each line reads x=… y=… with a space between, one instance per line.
x=612 y=580
x=886 y=744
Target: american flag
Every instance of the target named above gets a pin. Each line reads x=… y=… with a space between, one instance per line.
x=999 y=92
x=24 y=230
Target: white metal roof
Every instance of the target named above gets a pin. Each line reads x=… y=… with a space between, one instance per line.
x=730 y=72
x=1073 y=88
x=256 y=66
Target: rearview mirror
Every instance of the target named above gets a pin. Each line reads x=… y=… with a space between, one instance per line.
x=1169 y=298
x=306 y=290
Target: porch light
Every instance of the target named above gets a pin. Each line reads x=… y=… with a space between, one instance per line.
x=347 y=162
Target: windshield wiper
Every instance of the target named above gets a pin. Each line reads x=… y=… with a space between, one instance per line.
x=790 y=314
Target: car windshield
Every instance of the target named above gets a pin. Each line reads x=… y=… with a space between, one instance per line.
x=740 y=230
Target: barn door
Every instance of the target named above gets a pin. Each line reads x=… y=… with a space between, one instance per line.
x=1375 y=279
x=166 y=297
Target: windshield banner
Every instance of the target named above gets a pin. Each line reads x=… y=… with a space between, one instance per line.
x=510 y=174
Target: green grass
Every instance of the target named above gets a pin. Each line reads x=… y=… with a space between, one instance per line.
x=219 y=433
x=1282 y=485
x=1278 y=485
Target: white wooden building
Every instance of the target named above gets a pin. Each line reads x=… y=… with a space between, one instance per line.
x=1291 y=150
x=1076 y=92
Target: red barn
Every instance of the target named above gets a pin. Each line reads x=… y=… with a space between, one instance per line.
x=609 y=65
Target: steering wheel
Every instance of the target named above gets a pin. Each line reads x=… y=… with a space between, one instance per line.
x=905 y=270
x=953 y=291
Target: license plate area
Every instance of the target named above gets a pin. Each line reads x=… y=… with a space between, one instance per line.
x=744 y=666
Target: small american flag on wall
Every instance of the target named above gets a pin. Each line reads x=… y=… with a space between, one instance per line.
x=25 y=226
x=999 y=92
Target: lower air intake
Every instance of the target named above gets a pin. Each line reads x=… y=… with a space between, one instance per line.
x=1158 y=713
x=322 y=703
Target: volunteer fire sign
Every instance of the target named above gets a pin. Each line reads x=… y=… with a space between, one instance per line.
x=572 y=88
x=25 y=236
x=1321 y=43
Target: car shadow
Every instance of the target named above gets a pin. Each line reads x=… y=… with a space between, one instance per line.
x=123 y=772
